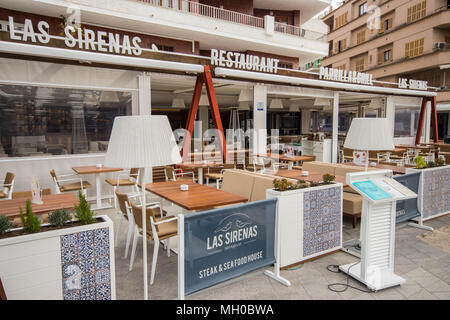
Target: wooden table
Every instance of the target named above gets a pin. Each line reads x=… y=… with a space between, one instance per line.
x=290 y=160
x=11 y=208
x=200 y=166
x=198 y=197
x=97 y=172
x=395 y=169
x=311 y=177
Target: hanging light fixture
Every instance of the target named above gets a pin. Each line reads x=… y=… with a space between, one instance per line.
x=294 y=108
x=109 y=97
x=178 y=103
x=244 y=106
x=246 y=95
x=276 y=104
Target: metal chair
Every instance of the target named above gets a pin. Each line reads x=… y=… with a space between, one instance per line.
x=124 y=180
x=173 y=174
x=80 y=185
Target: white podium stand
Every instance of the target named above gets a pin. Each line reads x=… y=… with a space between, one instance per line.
x=380 y=193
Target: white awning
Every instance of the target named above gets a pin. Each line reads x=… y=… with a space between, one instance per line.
x=94 y=57
x=318 y=83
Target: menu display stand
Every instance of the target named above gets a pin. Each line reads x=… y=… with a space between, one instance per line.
x=380 y=193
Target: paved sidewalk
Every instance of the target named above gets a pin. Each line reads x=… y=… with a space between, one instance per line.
x=425 y=268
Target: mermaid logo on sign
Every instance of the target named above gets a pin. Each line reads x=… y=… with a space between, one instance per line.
x=231 y=230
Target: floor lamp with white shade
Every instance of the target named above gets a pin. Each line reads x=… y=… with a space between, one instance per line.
x=369 y=134
x=142 y=142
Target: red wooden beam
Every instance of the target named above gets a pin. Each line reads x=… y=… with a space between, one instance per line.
x=434 y=121
x=423 y=110
x=205 y=78
x=191 y=117
x=215 y=110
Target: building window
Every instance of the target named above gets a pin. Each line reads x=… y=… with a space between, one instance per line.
x=341 y=20
x=417 y=11
x=36 y=121
x=362 y=9
x=361 y=36
x=406 y=122
x=384 y=56
x=340 y=46
x=385 y=25
x=359 y=65
x=285 y=65
x=414 y=48
x=165 y=48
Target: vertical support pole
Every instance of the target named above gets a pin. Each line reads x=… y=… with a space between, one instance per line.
x=334 y=144
x=207 y=78
x=421 y=120
x=191 y=117
x=144 y=234
x=259 y=119
x=180 y=257
x=145 y=106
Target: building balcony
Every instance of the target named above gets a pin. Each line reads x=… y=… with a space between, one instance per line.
x=212 y=27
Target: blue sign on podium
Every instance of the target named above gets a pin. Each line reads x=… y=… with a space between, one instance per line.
x=225 y=243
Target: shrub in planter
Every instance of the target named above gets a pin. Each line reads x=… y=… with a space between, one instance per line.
x=58 y=217
x=284 y=185
x=328 y=178
x=5 y=224
x=30 y=222
x=420 y=162
x=83 y=211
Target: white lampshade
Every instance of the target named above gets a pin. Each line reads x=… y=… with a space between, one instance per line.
x=369 y=134
x=244 y=105
x=178 y=103
x=276 y=104
x=294 y=108
x=203 y=100
x=142 y=142
x=322 y=102
x=246 y=95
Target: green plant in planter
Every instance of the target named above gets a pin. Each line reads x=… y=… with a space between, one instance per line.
x=281 y=184
x=420 y=162
x=5 y=224
x=83 y=211
x=440 y=162
x=431 y=164
x=31 y=223
x=58 y=217
x=328 y=178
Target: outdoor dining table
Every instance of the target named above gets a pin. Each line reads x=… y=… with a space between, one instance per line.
x=289 y=160
x=97 y=172
x=197 y=197
x=311 y=177
x=51 y=202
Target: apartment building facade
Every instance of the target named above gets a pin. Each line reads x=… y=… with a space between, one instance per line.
x=393 y=40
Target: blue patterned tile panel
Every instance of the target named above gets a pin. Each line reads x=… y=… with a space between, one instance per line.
x=321 y=220
x=436 y=192
x=86 y=269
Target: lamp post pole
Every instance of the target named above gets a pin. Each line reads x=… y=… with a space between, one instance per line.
x=144 y=233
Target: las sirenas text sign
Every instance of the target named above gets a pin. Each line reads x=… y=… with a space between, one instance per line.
x=81 y=38
x=225 y=243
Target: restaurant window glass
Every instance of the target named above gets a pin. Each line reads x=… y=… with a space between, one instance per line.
x=40 y=121
x=406 y=122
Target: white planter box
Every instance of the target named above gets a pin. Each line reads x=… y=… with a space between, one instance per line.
x=71 y=264
x=310 y=222
x=434 y=191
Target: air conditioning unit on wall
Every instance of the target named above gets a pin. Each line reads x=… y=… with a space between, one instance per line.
x=439 y=45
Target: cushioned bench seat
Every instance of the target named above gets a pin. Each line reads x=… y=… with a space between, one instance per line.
x=352 y=206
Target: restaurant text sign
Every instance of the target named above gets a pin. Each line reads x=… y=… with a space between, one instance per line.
x=346 y=76
x=223 y=58
x=225 y=243
x=412 y=84
x=83 y=38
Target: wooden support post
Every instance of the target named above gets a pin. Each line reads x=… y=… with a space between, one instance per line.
x=434 y=121
x=423 y=110
x=205 y=78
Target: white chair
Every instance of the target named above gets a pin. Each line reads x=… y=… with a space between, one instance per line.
x=158 y=229
x=6 y=189
x=177 y=174
x=124 y=180
x=79 y=185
